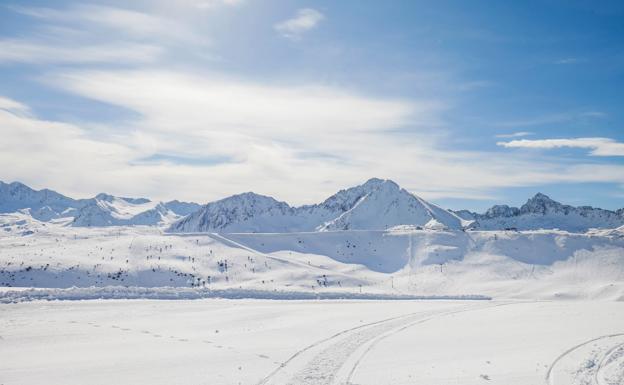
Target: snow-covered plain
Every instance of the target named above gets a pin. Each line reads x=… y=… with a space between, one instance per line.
x=218 y=341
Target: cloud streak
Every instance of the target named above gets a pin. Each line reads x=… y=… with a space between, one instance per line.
x=597 y=146
x=42 y=52
x=515 y=134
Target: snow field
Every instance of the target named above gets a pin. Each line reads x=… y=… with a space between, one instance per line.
x=308 y=342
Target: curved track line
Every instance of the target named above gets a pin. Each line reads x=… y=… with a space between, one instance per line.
x=598 y=379
x=549 y=376
x=266 y=379
x=324 y=356
x=393 y=332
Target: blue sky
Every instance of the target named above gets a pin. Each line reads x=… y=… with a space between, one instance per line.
x=464 y=103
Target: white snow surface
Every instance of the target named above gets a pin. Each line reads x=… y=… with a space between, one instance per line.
x=255 y=342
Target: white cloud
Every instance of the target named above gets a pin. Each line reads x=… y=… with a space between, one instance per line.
x=304 y=20
x=296 y=142
x=515 y=134
x=115 y=19
x=90 y=34
x=207 y=4
x=12 y=106
x=46 y=152
x=41 y=52
x=598 y=146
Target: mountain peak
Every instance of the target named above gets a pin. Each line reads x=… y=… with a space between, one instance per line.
x=540 y=204
x=377 y=182
x=541 y=197
x=104 y=197
x=17 y=184
x=383 y=204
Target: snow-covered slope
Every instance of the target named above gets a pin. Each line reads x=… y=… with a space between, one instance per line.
x=375 y=205
x=530 y=264
x=182 y=208
x=541 y=212
x=108 y=210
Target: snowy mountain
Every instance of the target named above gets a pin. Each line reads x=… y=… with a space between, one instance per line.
x=382 y=204
x=43 y=205
x=541 y=212
x=247 y=212
x=102 y=210
x=375 y=205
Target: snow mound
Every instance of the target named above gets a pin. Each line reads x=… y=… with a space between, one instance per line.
x=173 y=293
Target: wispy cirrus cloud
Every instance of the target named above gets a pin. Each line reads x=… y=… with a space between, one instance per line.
x=597 y=146
x=569 y=60
x=43 y=52
x=207 y=4
x=92 y=34
x=518 y=134
x=552 y=118
x=304 y=20
x=116 y=20
x=12 y=106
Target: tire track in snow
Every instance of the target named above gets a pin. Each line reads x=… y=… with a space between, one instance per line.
x=550 y=378
x=348 y=376
x=608 y=358
x=296 y=355
x=324 y=361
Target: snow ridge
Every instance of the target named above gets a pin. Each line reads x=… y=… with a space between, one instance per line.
x=542 y=212
x=102 y=210
x=377 y=204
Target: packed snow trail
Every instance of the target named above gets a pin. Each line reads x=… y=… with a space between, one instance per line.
x=334 y=360
x=598 y=361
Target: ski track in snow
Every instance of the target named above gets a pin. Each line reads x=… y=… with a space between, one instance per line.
x=594 y=365
x=334 y=360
